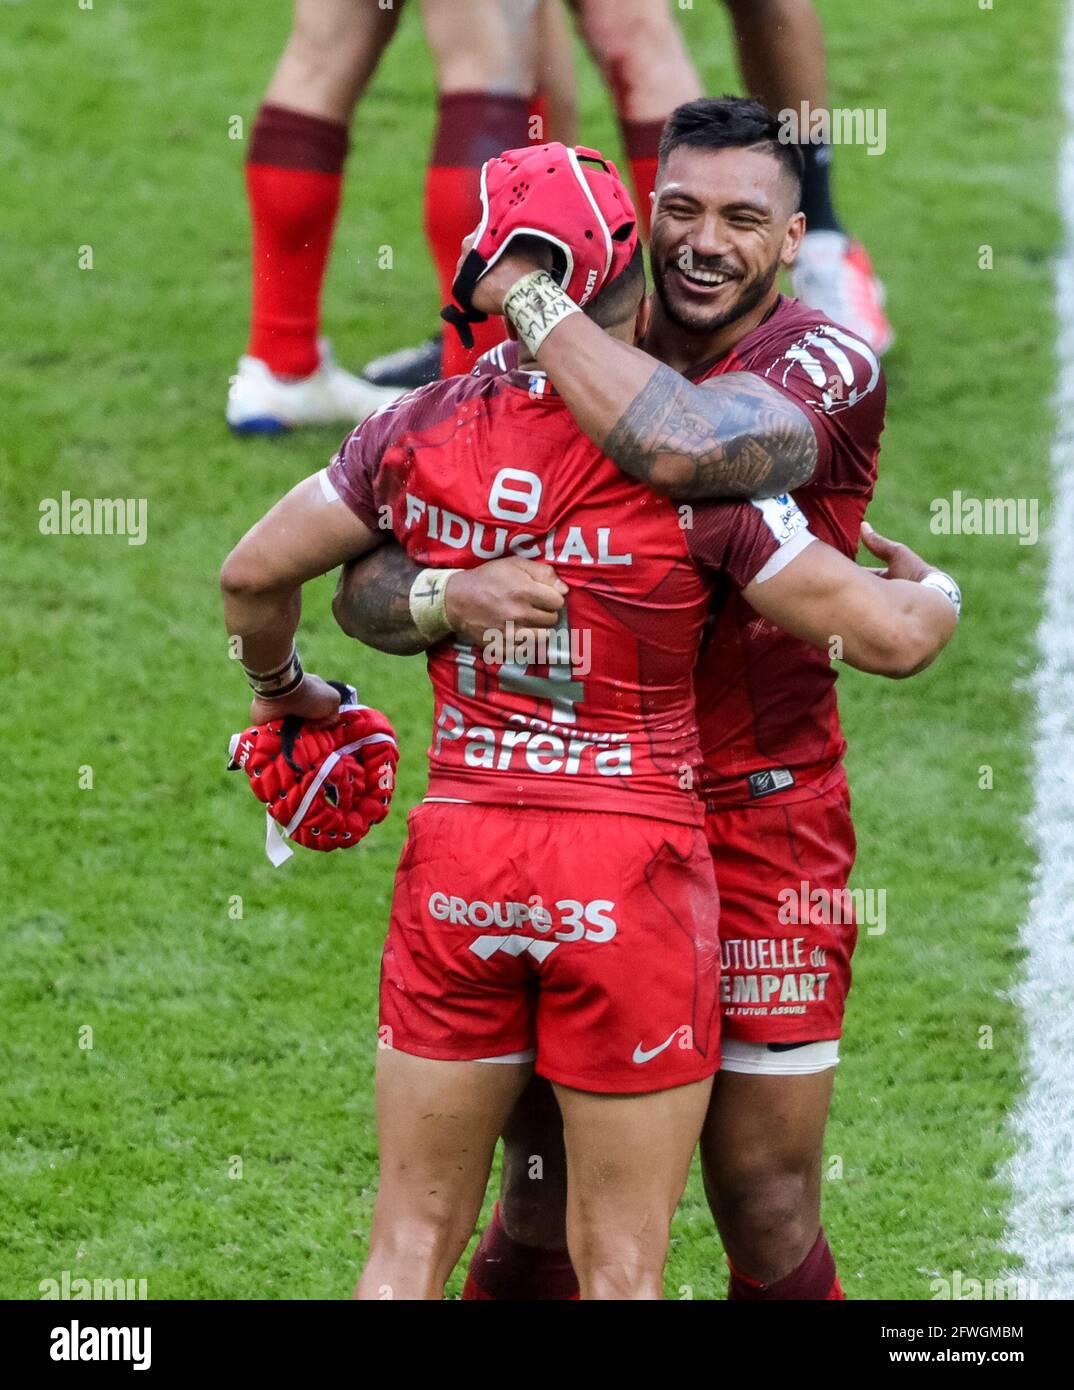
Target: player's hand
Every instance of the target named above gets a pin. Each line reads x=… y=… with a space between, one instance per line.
x=484 y=600
x=900 y=562
x=314 y=699
x=523 y=255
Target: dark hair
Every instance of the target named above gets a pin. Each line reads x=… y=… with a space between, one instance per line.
x=712 y=123
x=619 y=300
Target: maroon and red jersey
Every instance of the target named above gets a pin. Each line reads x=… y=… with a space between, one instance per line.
x=766 y=702
x=601 y=717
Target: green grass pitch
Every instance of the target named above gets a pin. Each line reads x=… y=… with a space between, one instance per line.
x=218 y=1038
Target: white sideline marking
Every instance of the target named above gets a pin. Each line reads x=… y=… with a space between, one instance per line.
x=1041 y=1229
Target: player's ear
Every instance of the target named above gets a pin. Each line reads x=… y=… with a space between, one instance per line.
x=792 y=239
x=641 y=323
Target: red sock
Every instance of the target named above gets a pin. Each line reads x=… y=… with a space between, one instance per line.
x=473 y=127
x=503 y=1268
x=815 y=1278
x=642 y=139
x=537 y=117
x=294 y=175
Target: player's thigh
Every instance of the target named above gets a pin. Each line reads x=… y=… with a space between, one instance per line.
x=639 y=49
x=628 y=1158
x=483 y=45
x=437 y=1126
x=332 y=52
x=759 y=1128
x=533 y=1184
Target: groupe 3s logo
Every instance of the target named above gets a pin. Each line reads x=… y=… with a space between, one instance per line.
x=564 y=920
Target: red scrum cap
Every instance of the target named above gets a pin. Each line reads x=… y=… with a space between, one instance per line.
x=322 y=788
x=571 y=199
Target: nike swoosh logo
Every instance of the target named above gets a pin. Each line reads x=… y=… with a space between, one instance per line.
x=640 y=1054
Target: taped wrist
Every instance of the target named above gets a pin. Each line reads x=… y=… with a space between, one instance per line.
x=428 y=606
x=274 y=685
x=535 y=304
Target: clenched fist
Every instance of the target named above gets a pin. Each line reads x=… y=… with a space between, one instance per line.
x=484 y=600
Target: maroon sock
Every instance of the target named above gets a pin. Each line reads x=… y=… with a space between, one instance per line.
x=505 y=1269
x=815 y=1278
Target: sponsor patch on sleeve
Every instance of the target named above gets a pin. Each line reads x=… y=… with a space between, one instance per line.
x=783 y=517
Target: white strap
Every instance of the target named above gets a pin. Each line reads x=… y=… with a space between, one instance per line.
x=278 y=852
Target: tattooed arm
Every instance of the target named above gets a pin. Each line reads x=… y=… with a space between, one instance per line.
x=734 y=436
x=372 y=601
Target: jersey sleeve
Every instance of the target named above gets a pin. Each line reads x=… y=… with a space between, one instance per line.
x=838 y=381
x=746 y=541
x=354 y=469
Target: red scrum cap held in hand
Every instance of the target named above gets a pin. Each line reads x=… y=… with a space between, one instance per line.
x=571 y=199
x=323 y=788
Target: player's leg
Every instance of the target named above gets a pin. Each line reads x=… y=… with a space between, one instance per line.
x=556 y=97
x=628 y=1158
x=437 y=1126
x=640 y=52
x=294 y=177
x=551 y=115
x=782 y=57
x=627 y=1032
x=761 y=1158
x=522 y=1255
x=456 y=1034
x=787 y=935
x=485 y=72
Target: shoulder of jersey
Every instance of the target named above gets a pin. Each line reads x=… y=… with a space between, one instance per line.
x=792 y=322
x=430 y=404
x=834 y=367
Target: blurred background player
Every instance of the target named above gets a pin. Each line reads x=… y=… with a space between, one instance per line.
x=294 y=177
x=639 y=49
x=782 y=60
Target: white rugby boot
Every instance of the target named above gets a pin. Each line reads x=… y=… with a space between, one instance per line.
x=259 y=402
x=834 y=275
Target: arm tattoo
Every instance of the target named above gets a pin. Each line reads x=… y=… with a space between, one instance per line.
x=372 y=601
x=736 y=436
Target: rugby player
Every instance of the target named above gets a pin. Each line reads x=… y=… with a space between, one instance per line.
x=608 y=994
x=805 y=402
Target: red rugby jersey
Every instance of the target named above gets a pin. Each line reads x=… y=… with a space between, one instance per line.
x=766 y=702
x=471 y=468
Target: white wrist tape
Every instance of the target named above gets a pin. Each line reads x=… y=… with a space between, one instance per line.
x=535 y=304
x=428 y=605
x=944 y=584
